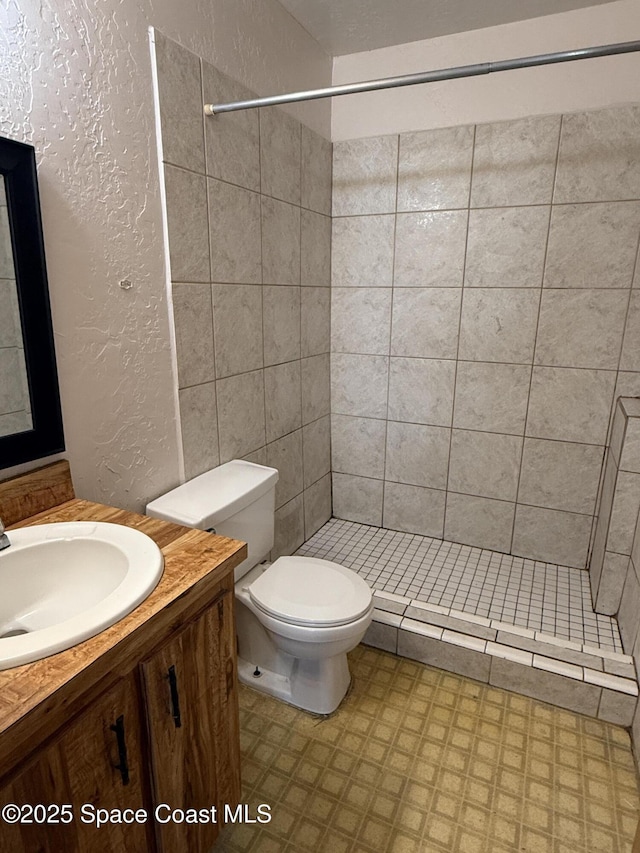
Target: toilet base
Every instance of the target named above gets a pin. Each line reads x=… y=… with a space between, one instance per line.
x=317 y=686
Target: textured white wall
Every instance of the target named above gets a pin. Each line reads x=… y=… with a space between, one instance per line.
x=588 y=84
x=75 y=81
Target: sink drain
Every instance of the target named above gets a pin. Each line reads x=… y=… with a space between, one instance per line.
x=15 y=632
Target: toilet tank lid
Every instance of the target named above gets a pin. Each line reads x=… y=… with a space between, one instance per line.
x=215 y=495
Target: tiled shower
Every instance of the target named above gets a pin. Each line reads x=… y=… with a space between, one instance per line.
x=425 y=333
x=483 y=320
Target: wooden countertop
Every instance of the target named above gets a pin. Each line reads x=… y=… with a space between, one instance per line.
x=37 y=698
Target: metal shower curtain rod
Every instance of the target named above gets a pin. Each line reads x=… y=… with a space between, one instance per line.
x=428 y=77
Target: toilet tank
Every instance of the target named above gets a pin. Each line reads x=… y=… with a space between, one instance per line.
x=236 y=499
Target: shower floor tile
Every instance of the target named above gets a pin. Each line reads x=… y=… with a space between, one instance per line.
x=529 y=593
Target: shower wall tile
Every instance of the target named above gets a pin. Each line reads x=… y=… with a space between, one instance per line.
x=317 y=505
x=421 y=390
x=610 y=589
x=491 y=397
x=315 y=249
x=484 y=464
x=551 y=535
x=279 y=155
x=560 y=475
x=283 y=399
x=592 y=245
x=232 y=141
x=479 y=521
x=570 y=405
x=581 y=328
x=630 y=359
x=365 y=173
x=315 y=320
x=359 y=385
x=187 y=225
x=316 y=387
x=199 y=428
x=618 y=430
x=316 y=169
x=316 y=448
x=358 y=446
x=599 y=156
x=289 y=528
x=193 y=320
x=430 y=249
x=285 y=454
x=499 y=325
x=630 y=456
x=635 y=554
x=413 y=509
x=362 y=250
x=362 y=320
x=425 y=322
x=234 y=233
x=628 y=612
x=281 y=321
x=624 y=513
x=280 y=242
x=417 y=454
x=514 y=162
x=181 y=116
x=237 y=315
x=627 y=384
x=602 y=522
x=259 y=456
x=526 y=351
x=357 y=499
x=434 y=169
x=241 y=419
x=506 y=246
x=270 y=337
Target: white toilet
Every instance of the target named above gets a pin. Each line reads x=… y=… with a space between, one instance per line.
x=297 y=617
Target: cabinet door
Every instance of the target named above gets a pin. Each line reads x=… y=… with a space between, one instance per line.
x=96 y=762
x=192 y=713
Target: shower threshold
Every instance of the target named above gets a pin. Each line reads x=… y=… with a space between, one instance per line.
x=519 y=624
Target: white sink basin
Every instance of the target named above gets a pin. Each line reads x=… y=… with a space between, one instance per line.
x=63 y=583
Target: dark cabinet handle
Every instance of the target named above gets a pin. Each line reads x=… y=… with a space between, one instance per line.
x=123 y=767
x=175 y=698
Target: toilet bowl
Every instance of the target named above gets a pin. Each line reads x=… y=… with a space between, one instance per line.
x=296 y=618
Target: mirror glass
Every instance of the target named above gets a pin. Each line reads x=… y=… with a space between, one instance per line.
x=15 y=405
x=30 y=413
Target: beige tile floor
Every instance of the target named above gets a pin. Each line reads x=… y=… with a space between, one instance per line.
x=417 y=759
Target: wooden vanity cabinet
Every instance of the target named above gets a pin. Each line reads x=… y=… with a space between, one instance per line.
x=191 y=703
x=176 y=715
x=98 y=761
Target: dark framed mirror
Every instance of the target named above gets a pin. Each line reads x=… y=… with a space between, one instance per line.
x=30 y=413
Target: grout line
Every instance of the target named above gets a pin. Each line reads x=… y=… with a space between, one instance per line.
x=391 y=313
x=438 y=571
x=535 y=337
x=457 y=358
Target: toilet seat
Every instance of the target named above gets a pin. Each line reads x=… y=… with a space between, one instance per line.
x=309 y=591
